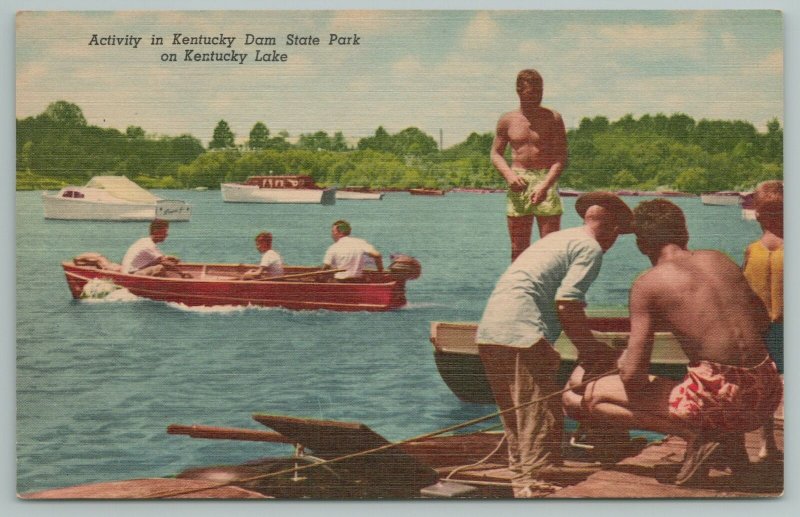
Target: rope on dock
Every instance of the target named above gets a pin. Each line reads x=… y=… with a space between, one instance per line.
x=477 y=463
x=367 y=452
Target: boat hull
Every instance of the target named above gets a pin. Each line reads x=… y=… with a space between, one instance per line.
x=721 y=199
x=358 y=196
x=461 y=369
x=217 y=285
x=79 y=209
x=426 y=192
x=239 y=193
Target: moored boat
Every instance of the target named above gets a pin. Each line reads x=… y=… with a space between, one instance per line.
x=358 y=194
x=568 y=192
x=673 y=193
x=460 y=367
x=112 y=198
x=426 y=192
x=299 y=288
x=278 y=189
x=723 y=198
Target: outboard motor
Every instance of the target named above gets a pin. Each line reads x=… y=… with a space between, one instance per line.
x=405 y=267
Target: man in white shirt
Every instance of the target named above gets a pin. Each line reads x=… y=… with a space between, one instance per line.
x=542 y=292
x=349 y=254
x=271 y=263
x=144 y=257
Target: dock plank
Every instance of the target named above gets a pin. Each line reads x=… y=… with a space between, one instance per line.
x=762 y=480
x=635 y=477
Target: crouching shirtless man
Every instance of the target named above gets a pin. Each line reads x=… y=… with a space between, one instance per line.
x=731 y=386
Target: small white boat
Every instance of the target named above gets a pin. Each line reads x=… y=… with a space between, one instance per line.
x=277 y=189
x=112 y=198
x=724 y=198
x=358 y=194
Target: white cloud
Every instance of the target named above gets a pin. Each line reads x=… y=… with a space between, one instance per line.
x=481 y=32
x=772 y=63
x=684 y=37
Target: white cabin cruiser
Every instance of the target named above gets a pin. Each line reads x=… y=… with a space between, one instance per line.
x=112 y=198
x=277 y=189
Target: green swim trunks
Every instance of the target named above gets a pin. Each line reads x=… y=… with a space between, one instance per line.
x=518 y=204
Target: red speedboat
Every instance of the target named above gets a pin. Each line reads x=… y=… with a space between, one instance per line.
x=196 y=284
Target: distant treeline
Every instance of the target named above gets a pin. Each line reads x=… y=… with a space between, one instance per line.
x=58 y=147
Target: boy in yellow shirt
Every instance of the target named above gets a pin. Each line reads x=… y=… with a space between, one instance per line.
x=763 y=268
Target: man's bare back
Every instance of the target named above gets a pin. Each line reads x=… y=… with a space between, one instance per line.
x=703 y=298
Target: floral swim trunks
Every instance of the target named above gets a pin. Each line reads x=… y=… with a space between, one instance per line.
x=727 y=398
x=518 y=204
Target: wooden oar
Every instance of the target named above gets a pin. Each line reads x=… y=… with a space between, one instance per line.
x=300 y=275
x=227 y=433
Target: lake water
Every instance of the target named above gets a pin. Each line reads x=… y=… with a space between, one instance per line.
x=99 y=381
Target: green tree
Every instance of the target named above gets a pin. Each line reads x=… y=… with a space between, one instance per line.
x=314 y=141
x=412 y=141
x=184 y=148
x=693 y=179
x=773 y=142
x=259 y=136
x=64 y=114
x=624 y=178
x=380 y=142
x=338 y=142
x=223 y=137
x=134 y=132
x=209 y=169
x=25 y=157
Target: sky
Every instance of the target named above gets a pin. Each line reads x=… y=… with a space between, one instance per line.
x=440 y=71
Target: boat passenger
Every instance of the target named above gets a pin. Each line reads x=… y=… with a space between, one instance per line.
x=732 y=386
x=349 y=254
x=763 y=269
x=543 y=290
x=144 y=257
x=271 y=263
x=538 y=156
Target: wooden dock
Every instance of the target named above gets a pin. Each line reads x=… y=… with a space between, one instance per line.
x=635 y=477
x=469 y=466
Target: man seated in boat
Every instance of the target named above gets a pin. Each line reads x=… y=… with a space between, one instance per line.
x=732 y=385
x=543 y=290
x=271 y=262
x=144 y=257
x=349 y=254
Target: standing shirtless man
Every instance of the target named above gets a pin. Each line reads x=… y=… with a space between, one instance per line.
x=539 y=154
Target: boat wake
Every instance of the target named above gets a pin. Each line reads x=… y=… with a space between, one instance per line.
x=221 y=309
x=422 y=305
x=100 y=290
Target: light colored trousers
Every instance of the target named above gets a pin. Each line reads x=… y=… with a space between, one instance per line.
x=517 y=376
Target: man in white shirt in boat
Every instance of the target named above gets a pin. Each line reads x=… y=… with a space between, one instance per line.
x=144 y=257
x=271 y=263
x=349 y=254
x=541 y=292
